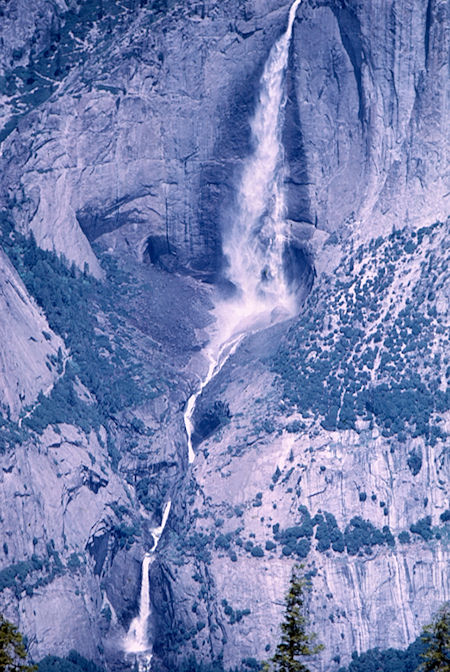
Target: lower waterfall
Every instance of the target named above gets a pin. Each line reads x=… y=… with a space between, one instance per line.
x=257 y=238
x=136 y=643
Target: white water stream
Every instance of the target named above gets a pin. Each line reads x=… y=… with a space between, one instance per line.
x=256 y=239
x=136 y=642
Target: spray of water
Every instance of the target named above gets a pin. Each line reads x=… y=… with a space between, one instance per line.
x=256 y=239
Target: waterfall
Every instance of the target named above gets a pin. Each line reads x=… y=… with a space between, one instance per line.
x=136 y=642
x=256 y=239
x=157 y=531
x=255 y=242
x=216 y=361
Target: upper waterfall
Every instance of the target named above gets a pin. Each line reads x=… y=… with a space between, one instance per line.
x=256 y=239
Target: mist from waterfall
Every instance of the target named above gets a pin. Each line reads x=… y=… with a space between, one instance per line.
x=256 y=239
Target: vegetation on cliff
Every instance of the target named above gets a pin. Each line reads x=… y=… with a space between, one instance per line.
x=371 y=348
x=88 y=316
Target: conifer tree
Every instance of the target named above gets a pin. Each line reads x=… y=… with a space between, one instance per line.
x=436 y=657
x=296 y=642
x=13 y=653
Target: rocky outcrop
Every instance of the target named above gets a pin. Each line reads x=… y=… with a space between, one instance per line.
x=29 y=351
x=142 y=148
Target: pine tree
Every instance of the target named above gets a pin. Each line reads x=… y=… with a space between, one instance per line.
x=437 y=637
x=12 y=649
x=296 y=643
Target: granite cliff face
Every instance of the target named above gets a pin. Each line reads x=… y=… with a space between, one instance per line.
x=124 y=135
x=28 y=346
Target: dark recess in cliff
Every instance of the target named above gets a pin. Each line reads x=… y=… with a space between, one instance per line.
x=351 y=36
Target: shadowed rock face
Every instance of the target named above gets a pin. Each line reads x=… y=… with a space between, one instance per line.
x=127 y=132
x=299 y=271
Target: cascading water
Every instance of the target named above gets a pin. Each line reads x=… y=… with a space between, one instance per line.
x=136 y=642
x=255 y=243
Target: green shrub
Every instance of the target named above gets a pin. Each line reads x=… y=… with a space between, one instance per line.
x=74 y=563
x=257 y=552
x=73 y=662
x=423 y=528
x=328 y=533
x=223 y=541
x=234 y=615
x=414 y=462
x=389 y=660
x=361 y=535
x=198 y=543
x=126 y=534
x=302 y=548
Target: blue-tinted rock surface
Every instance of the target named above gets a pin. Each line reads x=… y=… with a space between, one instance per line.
x=124 y=130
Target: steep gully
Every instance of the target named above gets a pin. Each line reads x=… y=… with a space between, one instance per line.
x=254 y=247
